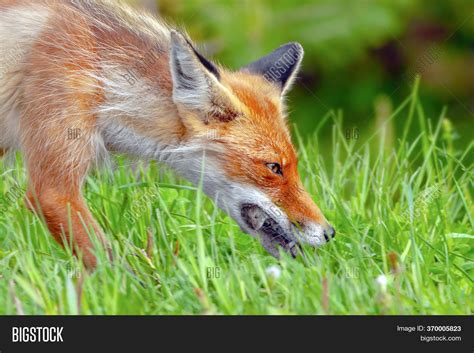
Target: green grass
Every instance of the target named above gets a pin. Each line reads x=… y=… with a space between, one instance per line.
x=401 y=208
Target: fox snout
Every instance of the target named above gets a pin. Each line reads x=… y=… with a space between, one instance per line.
x=311 y=225
x=314 y=234
x=329 y=233
x=277 y=227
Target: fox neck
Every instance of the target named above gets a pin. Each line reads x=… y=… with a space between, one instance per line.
x=137 y=116
x=191 y=160
x=147 y=125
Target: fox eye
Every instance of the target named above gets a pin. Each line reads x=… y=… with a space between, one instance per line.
x=275 y=168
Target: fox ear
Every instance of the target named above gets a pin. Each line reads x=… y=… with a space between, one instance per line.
x=195 y=79
x=280 y=66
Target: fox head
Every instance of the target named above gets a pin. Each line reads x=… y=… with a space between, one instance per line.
x=249 y=164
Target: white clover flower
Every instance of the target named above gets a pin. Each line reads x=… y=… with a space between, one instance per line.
x=382 y=282
x=273 y=271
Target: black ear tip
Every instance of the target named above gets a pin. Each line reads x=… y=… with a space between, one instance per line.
x=295 y=46
x=280 y=65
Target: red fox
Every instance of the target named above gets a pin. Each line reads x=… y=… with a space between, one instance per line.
x=82 y=79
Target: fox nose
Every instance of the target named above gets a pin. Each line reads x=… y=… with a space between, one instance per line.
x=329 y=233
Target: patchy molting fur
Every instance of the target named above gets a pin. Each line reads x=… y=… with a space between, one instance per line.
x=76 y=78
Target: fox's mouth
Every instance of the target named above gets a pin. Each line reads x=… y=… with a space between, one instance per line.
x=271 y=233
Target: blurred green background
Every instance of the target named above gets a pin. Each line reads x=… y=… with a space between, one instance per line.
x=361 y=55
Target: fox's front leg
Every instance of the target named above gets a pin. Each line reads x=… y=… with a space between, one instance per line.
x=59 y=151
